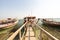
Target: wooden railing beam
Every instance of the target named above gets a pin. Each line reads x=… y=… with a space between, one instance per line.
x=15 y=33
x=48 y=34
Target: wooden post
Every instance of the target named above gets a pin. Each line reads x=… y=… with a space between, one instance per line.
x=40 y=35
x=20 y=35
x=50 y=38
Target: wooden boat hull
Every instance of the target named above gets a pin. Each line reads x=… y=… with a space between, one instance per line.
x=8 y=25
x=51 y=23
x=5 y=31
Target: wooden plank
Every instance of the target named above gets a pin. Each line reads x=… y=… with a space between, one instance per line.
x=30 y=34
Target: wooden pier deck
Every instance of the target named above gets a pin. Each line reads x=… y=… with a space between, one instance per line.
x=30 y=34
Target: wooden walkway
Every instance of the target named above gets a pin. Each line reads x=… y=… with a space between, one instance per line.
x=30 y=34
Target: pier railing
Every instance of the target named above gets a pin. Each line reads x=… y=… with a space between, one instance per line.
x=50 y=37
x=18 y=32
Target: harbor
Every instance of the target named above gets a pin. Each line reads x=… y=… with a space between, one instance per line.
x=29 y=19
x=30 y=28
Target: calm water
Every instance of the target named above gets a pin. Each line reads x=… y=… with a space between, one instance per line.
x=20 y=23
x=57 y=19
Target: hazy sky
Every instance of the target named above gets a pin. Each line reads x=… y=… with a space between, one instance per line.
x=21 y=8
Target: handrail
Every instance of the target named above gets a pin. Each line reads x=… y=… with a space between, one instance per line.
x=15 y=33
x=48 y=34
x=19 y=30
x=23 y=34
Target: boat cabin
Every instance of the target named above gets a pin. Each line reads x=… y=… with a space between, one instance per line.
x=30 y=18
